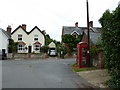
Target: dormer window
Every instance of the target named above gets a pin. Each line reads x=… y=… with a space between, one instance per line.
x=19 y=37
x=35 y=37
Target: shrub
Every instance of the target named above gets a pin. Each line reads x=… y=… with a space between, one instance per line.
x=110 y=22
x=44 y=49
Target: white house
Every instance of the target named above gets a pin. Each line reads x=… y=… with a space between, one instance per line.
x=28 y=42
x=4 y=41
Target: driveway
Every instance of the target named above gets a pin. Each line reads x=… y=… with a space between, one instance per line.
x=46 y=73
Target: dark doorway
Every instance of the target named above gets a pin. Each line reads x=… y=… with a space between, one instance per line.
x=4 y=56
x=29 y=49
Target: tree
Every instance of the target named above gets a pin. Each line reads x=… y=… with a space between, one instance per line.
x=110 y=34
x=71 y=41
x=12 y=47
x=44 y=49
x=48 y=40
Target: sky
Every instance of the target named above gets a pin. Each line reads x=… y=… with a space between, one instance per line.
x=52 y=15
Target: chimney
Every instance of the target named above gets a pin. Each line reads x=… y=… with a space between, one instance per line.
x=9 y=29
x=91 y=24
x=76 y=24
x=24 y=26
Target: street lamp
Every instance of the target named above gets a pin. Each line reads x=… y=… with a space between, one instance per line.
x=88 y=31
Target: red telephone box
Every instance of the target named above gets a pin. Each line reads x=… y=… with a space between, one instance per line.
x=82 y=55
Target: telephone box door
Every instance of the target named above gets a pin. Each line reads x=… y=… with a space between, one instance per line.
x=82 y=56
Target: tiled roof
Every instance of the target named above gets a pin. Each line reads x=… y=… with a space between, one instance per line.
x=21 y=42
x=94 y=36
x=6 y=33
x=37 y=43
x=69 y=29
x=26 y=31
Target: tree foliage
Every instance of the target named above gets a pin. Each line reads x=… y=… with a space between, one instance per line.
x=48 y=40
x=110 y=22
x=71 y=41
x=12 y=47
x=44 y=49
x=62 y=48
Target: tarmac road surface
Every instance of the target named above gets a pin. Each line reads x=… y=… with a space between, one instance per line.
x=46 y=73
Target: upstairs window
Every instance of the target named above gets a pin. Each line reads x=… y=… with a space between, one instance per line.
x=35 y=37
x=19 y=37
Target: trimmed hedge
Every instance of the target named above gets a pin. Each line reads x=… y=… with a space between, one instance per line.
x=110 y=22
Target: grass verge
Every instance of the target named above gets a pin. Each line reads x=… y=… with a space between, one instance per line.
x=76 y=69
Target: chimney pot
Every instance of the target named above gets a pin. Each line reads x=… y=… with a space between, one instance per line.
x=9 y=29
x=24 y=26
x=76 y=24
x=91 y=24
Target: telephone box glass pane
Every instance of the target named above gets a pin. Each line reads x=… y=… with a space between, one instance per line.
x=84 y=54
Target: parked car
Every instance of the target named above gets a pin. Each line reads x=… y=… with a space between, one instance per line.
x=52 y=52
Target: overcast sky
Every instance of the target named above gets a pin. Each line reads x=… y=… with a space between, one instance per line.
x=51 y=15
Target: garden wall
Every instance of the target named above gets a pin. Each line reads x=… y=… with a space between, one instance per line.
x=98 y=59
x=27 y=56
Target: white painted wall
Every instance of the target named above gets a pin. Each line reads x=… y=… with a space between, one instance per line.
x=20 y=31
x=41 y=38
x=52 y=45
x=24 y=37
x=3 y=42
x=31 y=41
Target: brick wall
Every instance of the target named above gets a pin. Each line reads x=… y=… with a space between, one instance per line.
x=98 y=60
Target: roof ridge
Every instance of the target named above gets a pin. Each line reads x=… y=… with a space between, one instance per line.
x=6 y=33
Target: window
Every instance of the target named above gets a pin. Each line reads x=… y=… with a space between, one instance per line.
x=21 y=47
x=35 y=37
x=19 y=37
x=75 y=36
x=37 y=47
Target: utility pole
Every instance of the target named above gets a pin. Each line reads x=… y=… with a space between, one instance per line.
x=88 y=32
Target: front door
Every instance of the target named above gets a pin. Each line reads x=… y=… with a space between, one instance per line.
x=29 y=49
x=3 y=54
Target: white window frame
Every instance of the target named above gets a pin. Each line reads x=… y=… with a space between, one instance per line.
x=21 y=47
x=37 y=48
x=35 y=37
x=19 y=37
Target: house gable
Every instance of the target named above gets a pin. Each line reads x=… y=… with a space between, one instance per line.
x=74 y=33
x=38 y=32
x=52 y=45
x=34 y=29
x=18 y=29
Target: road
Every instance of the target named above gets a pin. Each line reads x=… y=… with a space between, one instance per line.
x=46 y=73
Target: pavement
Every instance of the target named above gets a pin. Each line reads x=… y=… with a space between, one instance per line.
x=43 y=73
x=96 y=77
